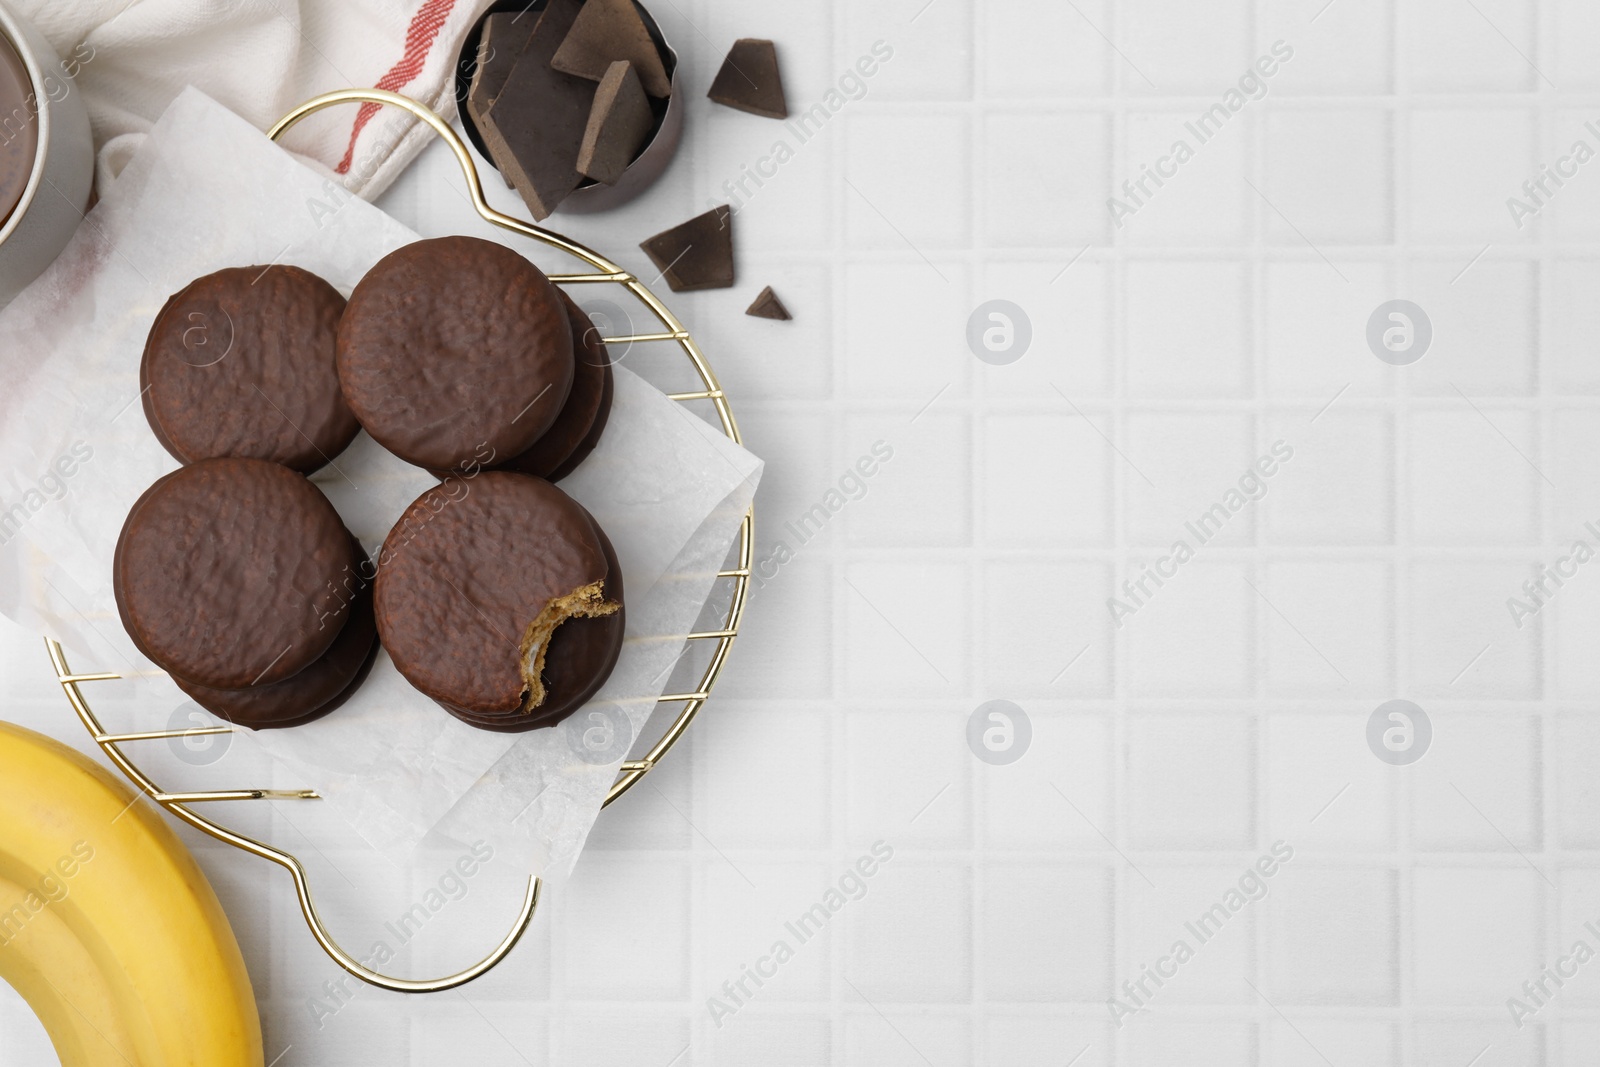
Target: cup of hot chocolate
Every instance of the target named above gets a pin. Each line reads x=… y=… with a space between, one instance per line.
x=46 y=152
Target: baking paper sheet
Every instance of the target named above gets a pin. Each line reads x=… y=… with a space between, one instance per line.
x=209 y=191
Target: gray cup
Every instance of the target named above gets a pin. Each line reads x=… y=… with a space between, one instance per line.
x=57 y=192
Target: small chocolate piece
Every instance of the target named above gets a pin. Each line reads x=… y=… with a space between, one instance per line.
x=577 y=418
x=606 y=31
x=320 y=688
x=535 y=126
x=228 y=573
x=619 y=125
x=749 y=80
x=766 y=305
x=241 y=363
x=455 y=351
x=504 y=37
x=697 y=254
x=582 y=654
x=471 y=586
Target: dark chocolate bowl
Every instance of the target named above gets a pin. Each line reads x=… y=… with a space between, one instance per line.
x=647 y=166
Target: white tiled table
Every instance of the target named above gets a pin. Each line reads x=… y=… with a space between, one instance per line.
x=1229 y=711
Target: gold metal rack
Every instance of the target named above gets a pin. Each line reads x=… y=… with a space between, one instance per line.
x=181 y=804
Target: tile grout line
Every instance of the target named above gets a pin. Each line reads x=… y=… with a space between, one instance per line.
x=1399 y=396
x=838 y=555
x=1120 y=658
x=1544 y=429
x=1257 y=340
x=978 y=685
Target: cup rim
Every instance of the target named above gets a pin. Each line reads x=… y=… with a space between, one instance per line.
x=11 y=28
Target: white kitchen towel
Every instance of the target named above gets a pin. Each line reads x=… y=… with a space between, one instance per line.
x=260 y=58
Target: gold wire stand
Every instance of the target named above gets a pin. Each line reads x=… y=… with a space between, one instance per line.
x=602 y=271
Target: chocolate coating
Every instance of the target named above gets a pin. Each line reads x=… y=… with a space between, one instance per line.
x=592 y=438
x=572 y=426
x=241 y=363
x=582 y=654
x=467 y=575
x=315 y=691
x=452 y=345
x=228 y=571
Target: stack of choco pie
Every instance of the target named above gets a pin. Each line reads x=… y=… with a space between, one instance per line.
x=495 y=594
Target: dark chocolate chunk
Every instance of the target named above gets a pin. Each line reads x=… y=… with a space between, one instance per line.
x=619 y=125
x=228 y=573
x=320 y=688
x=767 y=306
x=572 y=427
x=504 y=36
x=535 y=126
x=241 y=363
x=749 y=80
x=454 y=352
x=697 y=254
x=473 y=582
x=606 y=31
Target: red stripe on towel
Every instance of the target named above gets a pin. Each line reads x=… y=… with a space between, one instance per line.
x=420 y=35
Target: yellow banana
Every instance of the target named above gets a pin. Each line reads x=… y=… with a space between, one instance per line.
x=86 y=1029
x=108 y=928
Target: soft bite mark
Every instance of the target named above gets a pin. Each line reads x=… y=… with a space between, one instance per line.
x=586 y=601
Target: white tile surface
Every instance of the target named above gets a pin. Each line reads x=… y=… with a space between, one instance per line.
x=906 y=181
x=1191 y=781
x=902 y=332
x=1463 y=164
x=1328 y=171
x=1179 y=464
x=1500 y=905
x=1062 y=205
x=1070 y=308
x=1056 y=502
x=1230 y=711
x=1041 y=648
x=1045 y=50
x=1445 y=53
x=1333 y=937
x=1198 y=637
x=910 y=938
x=1329 y=628
x=1045 y=934
x=1169 y=304
x=1323 y=787
x=1184 y=49
x=1351 y=53
x=1204 y=203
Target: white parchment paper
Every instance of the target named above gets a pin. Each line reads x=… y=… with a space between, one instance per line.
x=209 y=191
